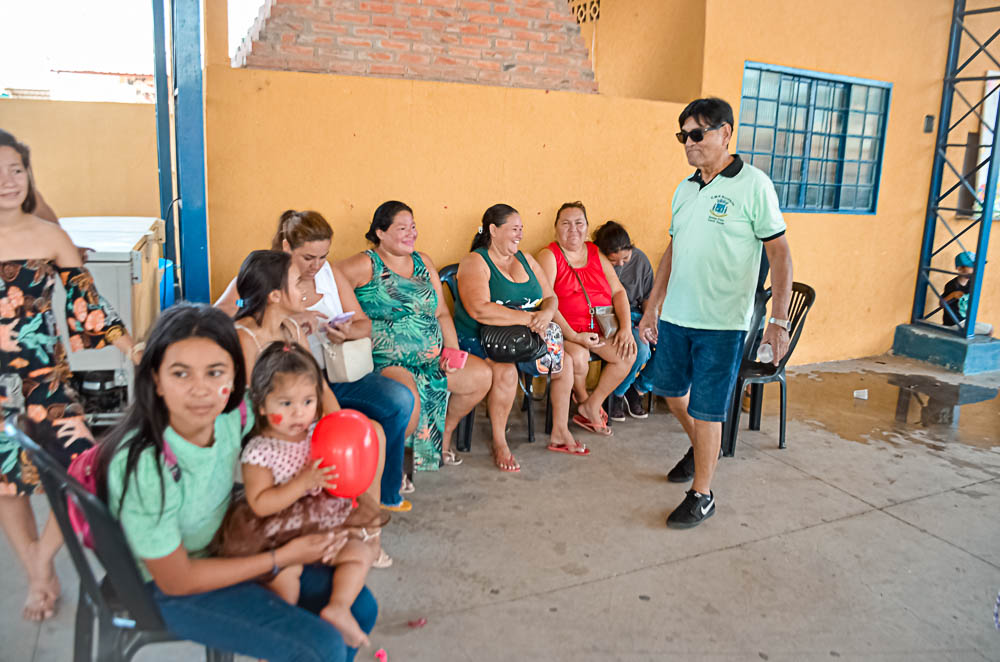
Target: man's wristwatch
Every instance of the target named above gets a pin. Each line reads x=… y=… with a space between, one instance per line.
x=784 y=324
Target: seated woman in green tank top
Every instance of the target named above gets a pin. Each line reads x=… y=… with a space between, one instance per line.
x=500 y=285
x=400 y=290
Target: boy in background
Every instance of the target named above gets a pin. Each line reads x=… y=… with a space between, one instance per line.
x=956 y=295
x=636 y=275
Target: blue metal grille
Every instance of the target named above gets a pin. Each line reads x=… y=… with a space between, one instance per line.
x=818 y=137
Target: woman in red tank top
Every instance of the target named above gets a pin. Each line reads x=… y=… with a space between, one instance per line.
x=572 y=252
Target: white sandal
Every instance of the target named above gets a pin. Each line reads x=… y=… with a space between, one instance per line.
x=448 y=457
x=407 y=487
x=383 y=560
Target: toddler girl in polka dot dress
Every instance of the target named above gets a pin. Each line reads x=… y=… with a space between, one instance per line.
x=285 y=495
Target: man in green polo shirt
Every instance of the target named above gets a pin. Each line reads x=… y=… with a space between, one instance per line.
x=705 y=284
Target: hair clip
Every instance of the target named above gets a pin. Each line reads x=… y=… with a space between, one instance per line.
x=240 y=303
x=286 y=348
x=480 y=230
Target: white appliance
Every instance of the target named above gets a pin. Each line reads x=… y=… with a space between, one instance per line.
x=125 y=264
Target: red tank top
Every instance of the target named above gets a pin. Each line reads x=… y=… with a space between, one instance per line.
x=572 y=303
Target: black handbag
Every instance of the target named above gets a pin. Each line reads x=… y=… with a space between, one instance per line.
x=511 y=344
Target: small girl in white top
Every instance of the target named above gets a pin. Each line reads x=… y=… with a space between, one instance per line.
x=285 y=495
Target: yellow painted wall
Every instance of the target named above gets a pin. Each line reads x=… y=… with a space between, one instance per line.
x=648 y=50
x=342 y=145
x=89 y=159
x=863 y=267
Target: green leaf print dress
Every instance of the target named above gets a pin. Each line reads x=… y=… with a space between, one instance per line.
x=406 y=333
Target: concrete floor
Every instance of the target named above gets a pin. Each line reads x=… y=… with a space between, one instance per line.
x=868 y=538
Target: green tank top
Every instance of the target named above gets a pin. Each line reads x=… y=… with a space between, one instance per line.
x=520 y=296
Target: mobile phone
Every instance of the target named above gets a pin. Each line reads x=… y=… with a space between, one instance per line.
x=456 y=358
x=340 y=319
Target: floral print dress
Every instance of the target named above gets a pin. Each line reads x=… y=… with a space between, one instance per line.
x=34 y=373
x=406 y=333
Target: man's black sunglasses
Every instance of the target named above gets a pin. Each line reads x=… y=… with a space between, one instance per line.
x=696 y=135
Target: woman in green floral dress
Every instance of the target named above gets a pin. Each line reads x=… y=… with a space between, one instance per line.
x=399 y=289
x=34 y=376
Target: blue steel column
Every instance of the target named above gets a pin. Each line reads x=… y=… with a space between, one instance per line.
x=190 y=132
x=944 y=120
x=166 y=175
x=989 y=200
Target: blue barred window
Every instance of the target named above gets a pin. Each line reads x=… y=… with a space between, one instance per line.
x=818 y=136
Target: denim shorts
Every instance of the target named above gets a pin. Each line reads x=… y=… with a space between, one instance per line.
x=704 y=362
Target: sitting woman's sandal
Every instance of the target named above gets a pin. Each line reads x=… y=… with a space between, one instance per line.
x=383 y=560
x=449 y=458
x=407 y=487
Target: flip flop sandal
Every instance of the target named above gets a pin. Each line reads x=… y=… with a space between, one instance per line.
x=383 y=560
x=563 y=448
x=403 y=506
x=449 y=458
x=587 y=424
x=407 y=487
x=604 y=414
x=369 y=536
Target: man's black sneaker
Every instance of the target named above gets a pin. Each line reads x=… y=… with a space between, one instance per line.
x=693 y=510
x=683 y=471
x=617 y=407
x=633 y=404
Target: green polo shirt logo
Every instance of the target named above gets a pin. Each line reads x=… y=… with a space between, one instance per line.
x=718 y=212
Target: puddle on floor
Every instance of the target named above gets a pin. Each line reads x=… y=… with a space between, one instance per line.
x=900 y=408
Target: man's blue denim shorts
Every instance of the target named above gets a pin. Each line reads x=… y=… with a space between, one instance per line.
x=702 y=361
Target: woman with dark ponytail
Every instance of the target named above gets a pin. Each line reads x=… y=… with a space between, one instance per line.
x=500 y=285
x=495 y=216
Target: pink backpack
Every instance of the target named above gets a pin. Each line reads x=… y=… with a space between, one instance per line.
x=83 y=467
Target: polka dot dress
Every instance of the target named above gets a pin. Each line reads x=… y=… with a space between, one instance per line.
x=285 y=459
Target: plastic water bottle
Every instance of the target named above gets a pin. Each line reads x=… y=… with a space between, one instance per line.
x=765 y=353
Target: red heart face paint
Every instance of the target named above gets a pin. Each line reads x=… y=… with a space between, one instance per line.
x=275 y=419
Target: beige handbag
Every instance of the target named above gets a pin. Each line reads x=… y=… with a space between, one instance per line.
x=348 y=361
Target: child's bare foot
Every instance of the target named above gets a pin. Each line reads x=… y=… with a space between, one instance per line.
x=43 y=588
x=342 y=619
x=40 y=604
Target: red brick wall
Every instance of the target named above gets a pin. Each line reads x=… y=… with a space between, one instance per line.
x=516 y=43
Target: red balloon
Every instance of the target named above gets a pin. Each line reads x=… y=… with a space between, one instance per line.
x=346 y=439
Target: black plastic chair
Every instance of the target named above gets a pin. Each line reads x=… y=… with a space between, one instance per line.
x=127 y=617
x=463 y=433
x=752 y=372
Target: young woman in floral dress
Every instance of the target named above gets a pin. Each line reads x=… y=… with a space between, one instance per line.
x=34 y=375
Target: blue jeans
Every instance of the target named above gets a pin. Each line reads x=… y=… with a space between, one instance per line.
x=700 y=361
x=248 y=619
x=390 y=403
x=642 y=356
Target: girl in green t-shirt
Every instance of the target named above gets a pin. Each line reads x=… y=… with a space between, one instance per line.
x=189 y=388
